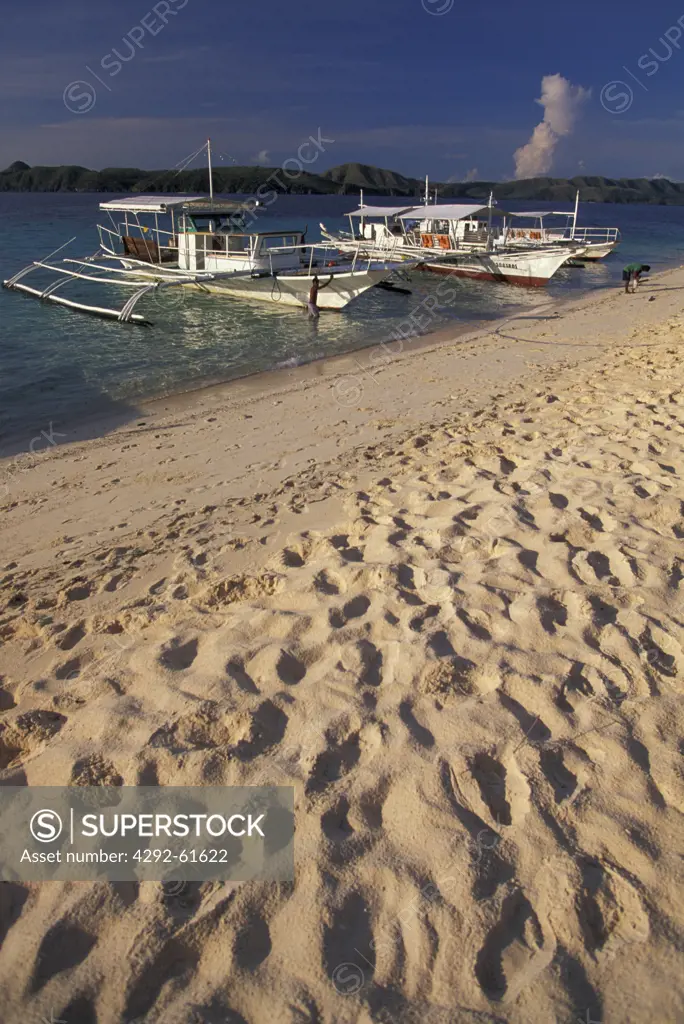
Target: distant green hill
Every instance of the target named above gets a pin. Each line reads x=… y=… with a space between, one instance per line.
x=347 y=179
x=375 y=180
x=19 y=177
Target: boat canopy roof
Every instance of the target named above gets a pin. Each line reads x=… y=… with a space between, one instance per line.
x=379 y=211
x=453 y=211
x=164 y=204
x=539 y=214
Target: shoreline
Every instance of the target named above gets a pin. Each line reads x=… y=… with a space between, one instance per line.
x=89 y=424
x=80 y=406
x=259 y=432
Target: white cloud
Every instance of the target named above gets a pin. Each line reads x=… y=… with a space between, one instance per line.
x=562 y=103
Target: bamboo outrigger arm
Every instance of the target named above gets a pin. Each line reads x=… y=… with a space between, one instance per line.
x=124 y=315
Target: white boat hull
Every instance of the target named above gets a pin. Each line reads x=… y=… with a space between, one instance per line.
x=521 y=265
x=294 y=290
x=336 y=290
x=532 y=269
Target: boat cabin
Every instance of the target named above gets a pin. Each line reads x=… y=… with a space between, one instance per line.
x=446 y=226
x=139 y=233
x=377 y=223
x=197 y=234
x=224 y=249
x=554 y=227
x=449 y=225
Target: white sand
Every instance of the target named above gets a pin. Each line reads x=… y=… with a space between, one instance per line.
x=443 y=601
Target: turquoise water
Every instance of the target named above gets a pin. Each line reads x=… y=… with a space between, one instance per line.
x=57 y=366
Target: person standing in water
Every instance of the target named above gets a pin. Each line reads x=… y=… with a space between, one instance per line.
x=313 y=297
x=631 y=275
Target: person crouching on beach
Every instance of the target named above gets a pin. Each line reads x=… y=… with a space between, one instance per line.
x=631 y=275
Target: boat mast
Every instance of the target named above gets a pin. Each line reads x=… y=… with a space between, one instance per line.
x=427 y=190
x=489 y=221
x=574 y=223
x=211 y=179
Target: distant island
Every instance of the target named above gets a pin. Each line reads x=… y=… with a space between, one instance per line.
x=347 y=179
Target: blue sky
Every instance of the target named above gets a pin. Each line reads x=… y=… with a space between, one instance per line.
x=418 y=86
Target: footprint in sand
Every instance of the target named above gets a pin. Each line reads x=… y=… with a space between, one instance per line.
x=553 y=614
x=448 y=677
x=177 y=655
x=364 y=662
x=295 y=556
x=564 y=781
x=13 y=899
x=348 y=946
x=329 y=583
x=74 y=634
x=174 y=965
x=336 y=761
x=205 y=728
x=274 y=663
x=662 y=652
x=64 y=947
x=235 y=669
x=610 y=910
x=514 y=952
x=242 y=588
x=356 y=608
x=252 y=943
x=95 y=771
x=418 y=622
x=7 y=701
x=81 y=590
x=503 y=788
x=22 y=737
x=371 y=664
x=675 y=574
x=115 y=581
x=349 y=552
x=592 y=566
x=420 y=734
x=268 y=725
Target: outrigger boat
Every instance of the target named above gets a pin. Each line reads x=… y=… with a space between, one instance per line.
x=597 y=243
x=206 y=247
x=454 y=239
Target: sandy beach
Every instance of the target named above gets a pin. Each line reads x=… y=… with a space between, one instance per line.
x=437 y=589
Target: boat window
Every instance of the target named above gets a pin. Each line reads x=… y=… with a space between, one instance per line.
x=285 y=243
x=204 y=224
x=238 y=243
